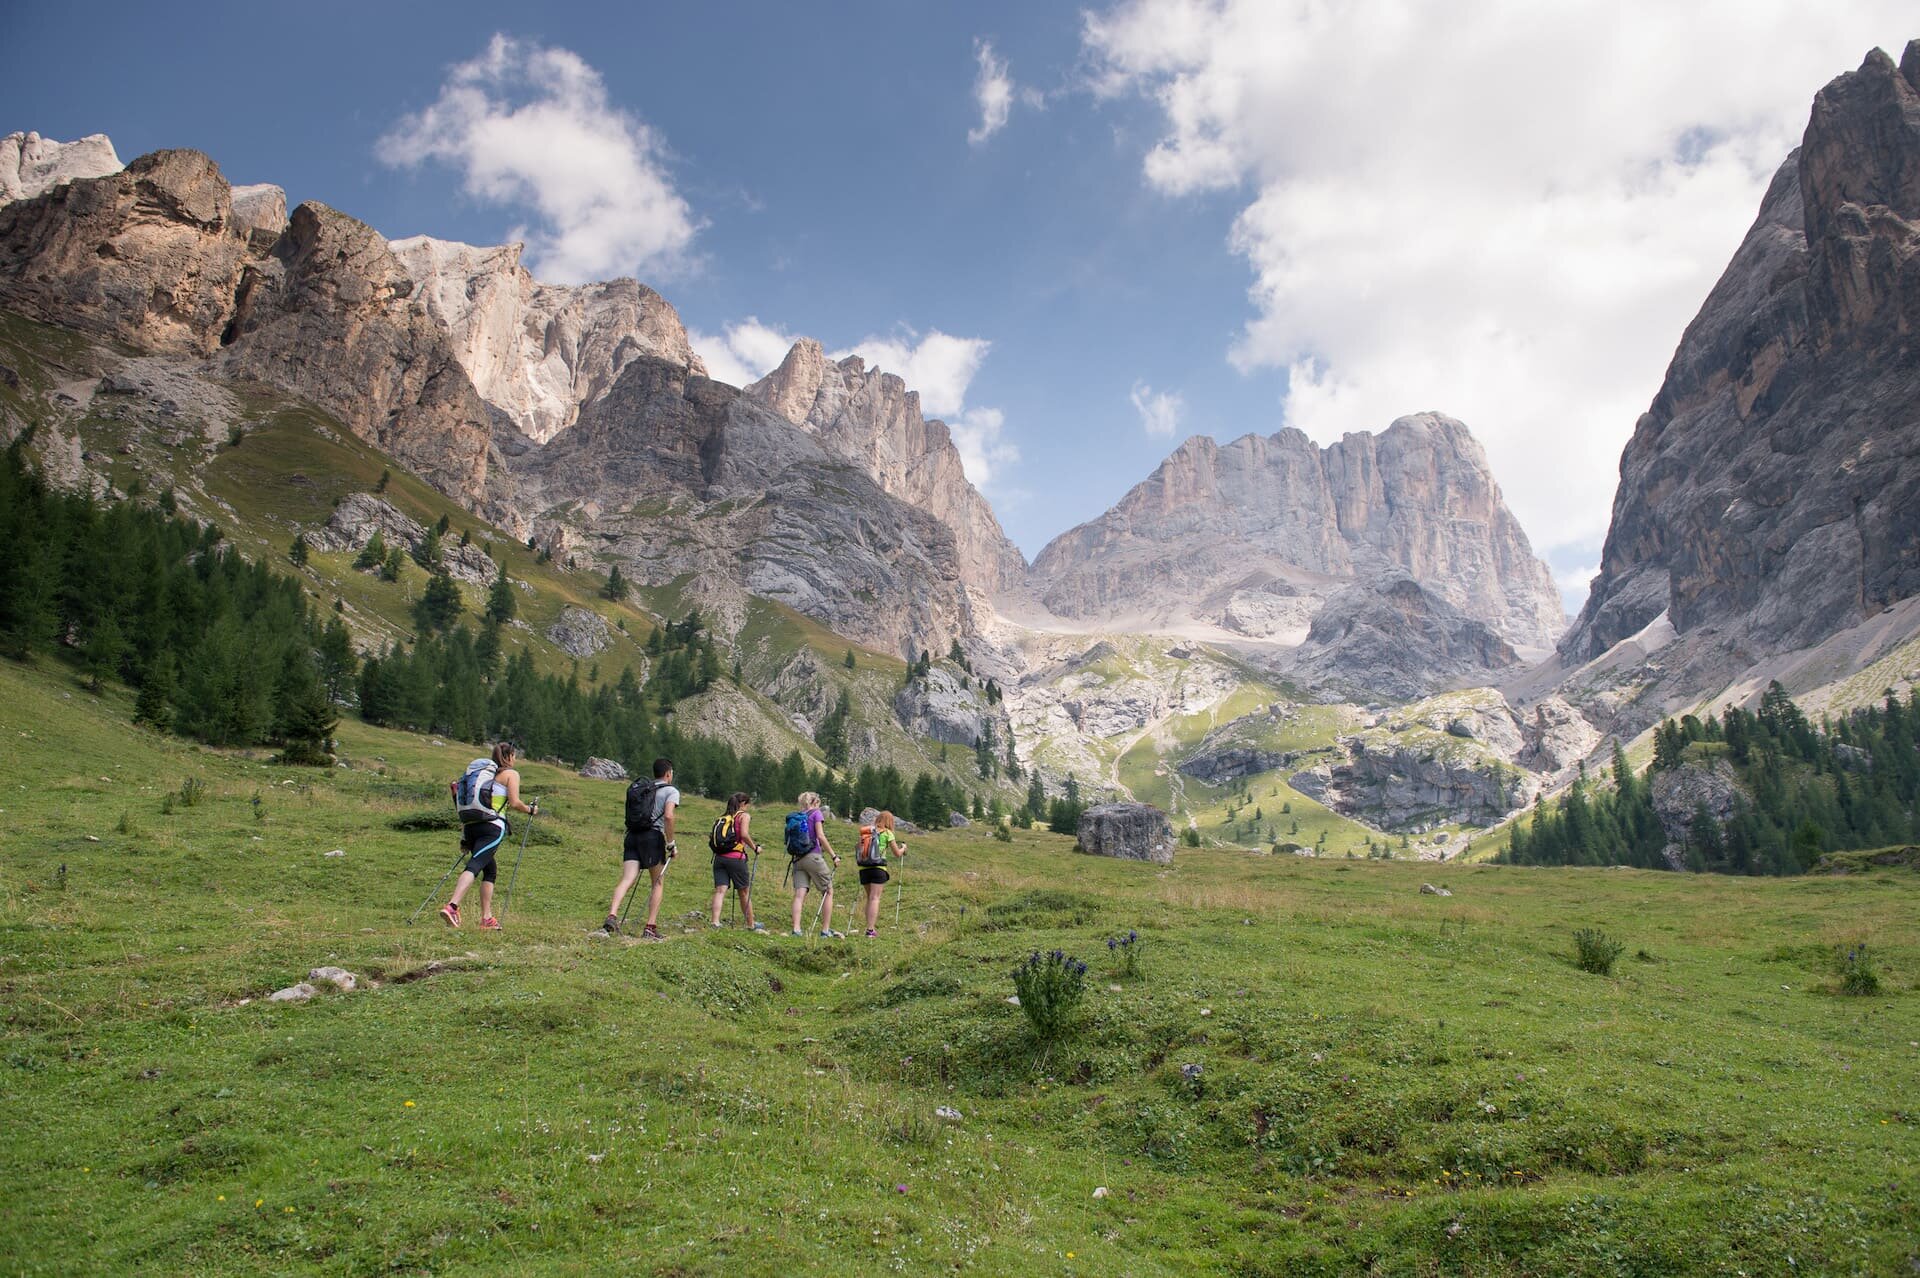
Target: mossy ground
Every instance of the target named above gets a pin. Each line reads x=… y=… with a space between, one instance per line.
x=1389 y=1082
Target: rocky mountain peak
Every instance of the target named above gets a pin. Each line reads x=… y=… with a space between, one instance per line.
x=31 y=164
x=870 y=417
x=1256 y=534
x=537 y=353
x=1770 y=495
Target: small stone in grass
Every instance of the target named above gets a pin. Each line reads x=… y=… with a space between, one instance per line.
x=338 y=977
x=338 y=852
x=293 y=994
x=1100 y=1192
x=1014 y=999
x=947 y=1112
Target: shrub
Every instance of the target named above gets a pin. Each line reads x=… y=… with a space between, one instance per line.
x=1856 y=970
x=190 y=793
x=1050 y=987
x=1003 y=832
x=1126 y=949
x=1594 y=951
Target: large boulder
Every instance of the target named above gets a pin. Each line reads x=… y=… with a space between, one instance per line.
x=1130 y=831
x=598 y=769
x=579 y=632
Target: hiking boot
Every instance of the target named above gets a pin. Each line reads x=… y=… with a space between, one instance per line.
x=871 y=934
x=832 y=935
x=758 y=927
x=450 y=913
x=489 y=924
x=796 y=932
x=612 y=925
x=651 y=933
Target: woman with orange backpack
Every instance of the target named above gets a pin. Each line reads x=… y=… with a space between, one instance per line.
x=877 y=844
x=730 y=842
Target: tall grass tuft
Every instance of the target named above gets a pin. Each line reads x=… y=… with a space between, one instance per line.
x=1594 y=951
x=1050 y=987
x=1856 y=970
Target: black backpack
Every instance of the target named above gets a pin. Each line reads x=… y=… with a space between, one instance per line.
x=643 y=816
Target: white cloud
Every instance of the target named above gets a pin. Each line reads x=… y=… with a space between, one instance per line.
x=531 y=128
x=1575 y=584
x=983 y=450
x=1507 y=211
x=994 y=92
x=1160 y=411
x=743 y=353
x=940 y=366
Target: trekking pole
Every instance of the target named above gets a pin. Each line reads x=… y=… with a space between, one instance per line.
x=511 y=878
x=436 y=887
x=900 y=893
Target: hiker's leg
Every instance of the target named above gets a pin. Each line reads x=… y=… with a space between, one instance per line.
x=873 y=906
x=799 y=905
x=460 y=886
x=826 y=910
x=659 y=874
x=486 y=897
x=629 y=871
x=719 y=895
x=746 y=906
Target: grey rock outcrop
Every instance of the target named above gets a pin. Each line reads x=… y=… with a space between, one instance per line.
x=1680 y=793
x=537 y=352
x=579 y=632
x=713 y=486
x=359 y=515
x=598 y=769
x=1412 y=788
x=870 y=418
x=1770 y=495
x=31 y=165
x=935 y=705
x=1129 y=831
x=1395 y=637
x=1248 y=534
x=299 y=993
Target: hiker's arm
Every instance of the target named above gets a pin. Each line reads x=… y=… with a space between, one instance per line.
x=666 y=822
x=512 y=780
x=825 y=845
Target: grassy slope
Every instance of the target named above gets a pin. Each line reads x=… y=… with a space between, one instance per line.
x=1378 y=1066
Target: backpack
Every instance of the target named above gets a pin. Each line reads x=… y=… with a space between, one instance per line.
x=724 y=839
x=869 y=853
x=799 y=834
x=473 y=792
x=643 y=815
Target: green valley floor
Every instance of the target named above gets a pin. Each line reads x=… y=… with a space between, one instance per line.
x=1317 y=1069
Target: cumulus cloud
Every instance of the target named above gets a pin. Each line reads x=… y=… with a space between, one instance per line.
x=1505 y=211
x=743 y=352
x=531 y=128
x=939 y=365
x=1160 y=411
x=983 y=450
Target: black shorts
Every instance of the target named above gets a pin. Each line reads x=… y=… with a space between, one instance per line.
x=731 y=871
x=872 y=874
x=480 y=841
x=648 y=847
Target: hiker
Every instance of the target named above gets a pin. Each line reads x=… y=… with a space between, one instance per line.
x=877 y=844
x=651 y=806
x=806 y=840
x=482 y=796
x=731 y=839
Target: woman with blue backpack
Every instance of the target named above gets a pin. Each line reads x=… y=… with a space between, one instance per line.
x=806 y=839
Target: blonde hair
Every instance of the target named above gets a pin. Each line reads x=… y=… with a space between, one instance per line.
x=884 y=821
x=808 y=799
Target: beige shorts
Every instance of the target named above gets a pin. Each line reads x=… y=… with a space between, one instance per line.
x=812 y=870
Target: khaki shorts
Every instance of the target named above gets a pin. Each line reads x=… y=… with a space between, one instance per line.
x=812 y=869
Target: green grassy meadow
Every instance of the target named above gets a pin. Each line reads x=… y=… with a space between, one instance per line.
x=1388 y=1082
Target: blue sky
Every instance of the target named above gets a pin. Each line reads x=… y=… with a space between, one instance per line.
x=1212 y=216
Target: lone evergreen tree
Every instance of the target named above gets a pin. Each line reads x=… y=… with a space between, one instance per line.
x=396 y=565
x=500 y=600
x=616 y=587
x=386 y=476
x=439 y=607
x=427 y=553
x=849 y=662
x=298 y=551
x=373 y=554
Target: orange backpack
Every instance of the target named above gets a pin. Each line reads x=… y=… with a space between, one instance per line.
x=869 y=843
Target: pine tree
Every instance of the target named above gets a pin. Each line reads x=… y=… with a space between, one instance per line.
x=446 y=522
x=154 y=705
x=1036 y=798
x=500 y=600
x=616 y=587
x=386 y=477
x=427 y=553
x=439 y=606
x=337 y=659
x=298 y=551
x=105 y=647
x=373 y=554
x=395 y=566
x=849 y=662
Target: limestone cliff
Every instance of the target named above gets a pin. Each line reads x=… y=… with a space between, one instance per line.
x=31 y=164
x=681 y=477
x=869 y=417
x=1770 y=496
x=538 y=352
x=1255 y=535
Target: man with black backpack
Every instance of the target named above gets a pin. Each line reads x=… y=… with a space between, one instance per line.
x=649 y=843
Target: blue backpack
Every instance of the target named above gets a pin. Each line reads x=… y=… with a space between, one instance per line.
x=799 y=834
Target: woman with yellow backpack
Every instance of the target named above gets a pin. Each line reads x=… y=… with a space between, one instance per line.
x=730 y=841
